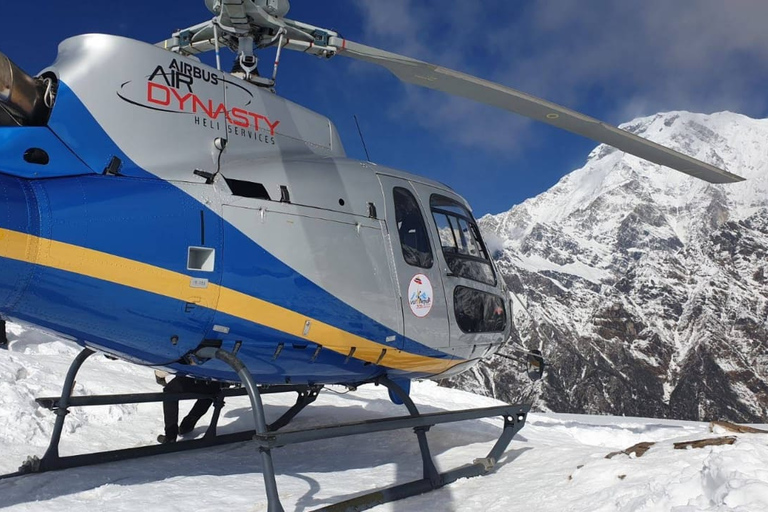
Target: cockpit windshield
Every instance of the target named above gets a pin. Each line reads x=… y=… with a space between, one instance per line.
x=460 y=239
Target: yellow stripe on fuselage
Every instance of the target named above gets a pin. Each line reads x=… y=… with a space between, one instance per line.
x=149 y=278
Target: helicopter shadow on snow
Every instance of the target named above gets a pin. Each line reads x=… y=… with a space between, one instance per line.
x=408 y=469
x=331 y=456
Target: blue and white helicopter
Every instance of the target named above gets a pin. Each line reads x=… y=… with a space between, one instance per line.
x=167 y=213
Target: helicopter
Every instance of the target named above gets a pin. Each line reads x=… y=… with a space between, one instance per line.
x=167 y=213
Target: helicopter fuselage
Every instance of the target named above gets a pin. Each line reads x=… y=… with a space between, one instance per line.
x=166 y=206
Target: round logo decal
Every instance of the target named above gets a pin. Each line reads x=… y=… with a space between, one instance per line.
x=420 y=295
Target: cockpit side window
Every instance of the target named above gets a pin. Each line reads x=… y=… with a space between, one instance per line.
x=412 y=230
x=460 y=240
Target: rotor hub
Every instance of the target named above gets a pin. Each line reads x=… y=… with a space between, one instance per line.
x=276 y=8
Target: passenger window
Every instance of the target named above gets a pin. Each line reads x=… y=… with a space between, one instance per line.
x=460 y=240
x=478 y=311
x=413 y=232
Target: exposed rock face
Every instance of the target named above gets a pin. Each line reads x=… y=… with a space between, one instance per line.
x=647 y=290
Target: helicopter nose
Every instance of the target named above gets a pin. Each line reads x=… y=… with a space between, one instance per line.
x=19 y=230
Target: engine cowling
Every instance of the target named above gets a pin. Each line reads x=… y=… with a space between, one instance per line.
x=22 y=97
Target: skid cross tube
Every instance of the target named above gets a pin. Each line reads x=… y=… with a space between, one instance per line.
x=54 y=402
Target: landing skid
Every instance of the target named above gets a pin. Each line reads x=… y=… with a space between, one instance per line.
x=267 y=437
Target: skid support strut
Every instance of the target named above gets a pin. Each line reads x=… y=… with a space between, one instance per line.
x=430 y=471
x=273 y=499
x=52 y=453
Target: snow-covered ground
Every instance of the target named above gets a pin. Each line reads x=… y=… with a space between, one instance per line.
x=556 y=463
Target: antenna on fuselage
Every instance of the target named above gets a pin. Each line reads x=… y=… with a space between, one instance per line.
x=362 y=139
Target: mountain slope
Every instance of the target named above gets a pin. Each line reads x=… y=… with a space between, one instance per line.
x=646 y=289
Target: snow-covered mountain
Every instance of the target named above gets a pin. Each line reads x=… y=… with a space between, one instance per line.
x=646 y=289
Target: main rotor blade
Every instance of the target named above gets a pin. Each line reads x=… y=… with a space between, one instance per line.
x=460 y=84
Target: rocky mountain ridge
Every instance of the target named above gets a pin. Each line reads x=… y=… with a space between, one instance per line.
x=646 y=289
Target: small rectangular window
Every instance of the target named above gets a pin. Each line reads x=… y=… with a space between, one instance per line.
x=201 y=258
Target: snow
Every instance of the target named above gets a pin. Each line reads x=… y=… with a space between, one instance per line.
x=536 y=263
x=557 y=462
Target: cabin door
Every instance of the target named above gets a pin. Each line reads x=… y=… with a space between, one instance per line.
x=425 y=314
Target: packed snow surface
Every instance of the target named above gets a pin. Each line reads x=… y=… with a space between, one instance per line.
x=556 y=463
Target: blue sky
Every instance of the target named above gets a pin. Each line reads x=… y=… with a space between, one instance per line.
x=611 y=60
